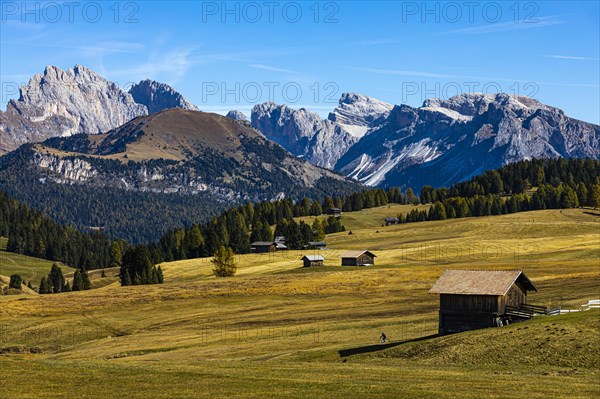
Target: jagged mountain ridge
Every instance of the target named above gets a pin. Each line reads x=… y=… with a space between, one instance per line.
x=357 y=113
x=320 y=141
x=78 y=100
x=446 y=141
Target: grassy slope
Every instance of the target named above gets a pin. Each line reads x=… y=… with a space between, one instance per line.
x=277 y=329
x=373 y=217
x=34 y=269
x=28 y=267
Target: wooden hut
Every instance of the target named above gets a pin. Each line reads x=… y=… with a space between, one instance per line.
x=336 y=212
x=312 y=260
x=358 y=258
x=320 y=245
x=472 y=299
x=390 y=221
x=263 y=246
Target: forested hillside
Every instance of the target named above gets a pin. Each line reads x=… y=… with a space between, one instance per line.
x=524 y=186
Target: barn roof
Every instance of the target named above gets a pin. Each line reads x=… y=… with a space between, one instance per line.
x=356 y=254
x=479 y=282
x=313 y=258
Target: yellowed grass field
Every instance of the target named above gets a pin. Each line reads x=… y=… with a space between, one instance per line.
x=279 y=330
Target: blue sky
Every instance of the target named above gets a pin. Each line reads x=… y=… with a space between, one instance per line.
x=233 y=55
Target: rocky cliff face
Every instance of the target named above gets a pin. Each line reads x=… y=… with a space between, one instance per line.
x=303 y=133
x=321 y=142
x=357 y=114
x=446 y=141
x=78 y=100
x=158 y=96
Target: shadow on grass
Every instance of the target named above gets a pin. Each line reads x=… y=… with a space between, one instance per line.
x=374 y=348
x=591 y=213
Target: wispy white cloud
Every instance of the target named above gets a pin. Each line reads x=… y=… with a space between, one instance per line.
x=272 y=68
x=540 y=22
x=570 y=57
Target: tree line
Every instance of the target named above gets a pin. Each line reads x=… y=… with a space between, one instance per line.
x=560 y=183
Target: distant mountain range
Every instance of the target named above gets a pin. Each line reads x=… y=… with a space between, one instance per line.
x=376 y=143
x=320 y=141
x=440 y=143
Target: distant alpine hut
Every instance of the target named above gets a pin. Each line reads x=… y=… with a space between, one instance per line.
x=473 y=299
x=389 y=221
x=263 y=246
x=313 y=260
x=336 y=212
x=358 y=258
x=320 y=245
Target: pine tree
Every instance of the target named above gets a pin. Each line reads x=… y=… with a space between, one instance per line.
x=77 y=283
x=56 y=278
x=582 y=194
x=318 y=230
x=224 y=262
x=116 y=254
x=85 y=279
x=125 y=278
x=595 y=196
x=15 y=281
x=568 y=198
x=161 y=278
x=315 y=208
x=438 y=212
x=43 y=285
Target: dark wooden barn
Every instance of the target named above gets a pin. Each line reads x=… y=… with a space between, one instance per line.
x=320 y=245
x=263 y=246
x=313 y=260
x=337 y=212
x=390 y=221
x=472 y=299
x=358 y=258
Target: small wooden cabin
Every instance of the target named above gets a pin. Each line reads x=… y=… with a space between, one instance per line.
x=313 y=260
x=358 y=258
x=390 y=221
x=263 y=246
x=472 y=299
x=316 y=245
x=337 y=212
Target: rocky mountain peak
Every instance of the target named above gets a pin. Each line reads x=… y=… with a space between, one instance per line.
x=357 y=113
x=237 y=115
x=158 y=96
x=61 y=102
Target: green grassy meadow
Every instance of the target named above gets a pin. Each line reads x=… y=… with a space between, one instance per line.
x=278 y=330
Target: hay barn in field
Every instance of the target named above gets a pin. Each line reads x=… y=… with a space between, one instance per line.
x=263 y=246
x=473 y=299
x=313 y=260
x=358 y=258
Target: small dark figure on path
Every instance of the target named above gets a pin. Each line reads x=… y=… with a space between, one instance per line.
x=383 y=339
